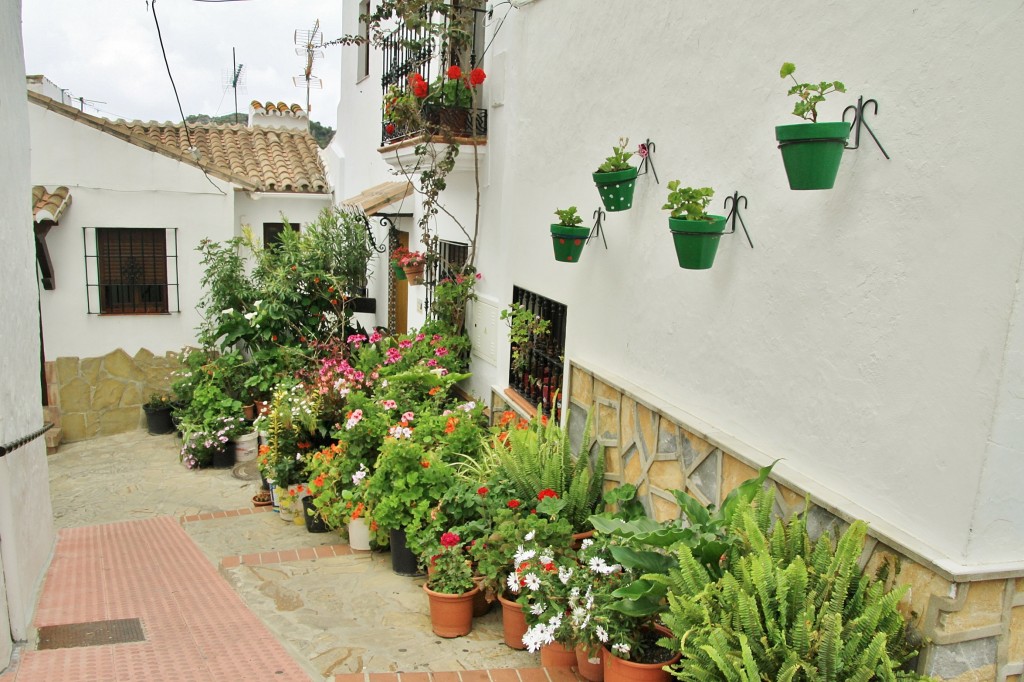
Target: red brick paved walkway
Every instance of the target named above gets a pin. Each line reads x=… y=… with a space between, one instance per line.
x=196 y=627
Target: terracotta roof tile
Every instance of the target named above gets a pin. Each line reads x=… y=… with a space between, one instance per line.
x=273 y=159
x=47 y=205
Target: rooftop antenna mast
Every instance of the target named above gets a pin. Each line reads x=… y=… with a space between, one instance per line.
x=235 y=79
x=308 y=44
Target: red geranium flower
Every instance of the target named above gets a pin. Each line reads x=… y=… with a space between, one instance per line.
x=454 y=73
x=419 y=89
x=481 y=491
x=449 y=540
x=425 y=464
x=390 y=128
x=477 y=76
x=547 y=492
x=513 y=504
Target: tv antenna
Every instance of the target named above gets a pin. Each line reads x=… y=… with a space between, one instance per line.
x=235 y=79
x=82 y=102
x=308 y=44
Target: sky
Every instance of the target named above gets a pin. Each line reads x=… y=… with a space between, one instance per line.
x=107 y=51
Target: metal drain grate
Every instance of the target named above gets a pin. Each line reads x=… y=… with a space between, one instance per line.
x=91 y=634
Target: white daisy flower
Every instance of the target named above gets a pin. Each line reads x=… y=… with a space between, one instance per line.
x=537 y=609
x=620 y=648
x=532 y=581
x=602 y=634
x=530 y=536
x=513 y=583
x=586 y=543
x=523 y=555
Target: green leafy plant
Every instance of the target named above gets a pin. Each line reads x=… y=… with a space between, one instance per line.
x=692 y=203
x=452 y=573
x=406 y=484
x=539 y=462
x=787 y=609
x=525 y=331
x=159 y=401
x=619 y=160
x=809 y=95
x=568 y=216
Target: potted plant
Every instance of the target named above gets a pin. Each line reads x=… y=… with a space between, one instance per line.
x=543 y=583
x=158 y=414
x=413 y=263
x=449 y=98
x=396 y=262
x=616 y=179
x=694 y=232
x=567 y=236
x=451 y=589
x=811 y=151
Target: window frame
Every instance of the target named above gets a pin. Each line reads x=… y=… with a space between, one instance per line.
x=533 y=386
x=97 y=269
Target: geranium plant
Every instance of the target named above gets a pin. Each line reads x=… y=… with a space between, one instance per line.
x=809 y=95
x=687 y=201
x=568 y=216
x=451 y=572
x=454 y=88
x=619 y=160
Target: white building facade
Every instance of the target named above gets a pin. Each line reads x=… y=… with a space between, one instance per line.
x=872 y=338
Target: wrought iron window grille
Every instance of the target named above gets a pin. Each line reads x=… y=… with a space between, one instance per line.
x=131 y=271
x=540 y=379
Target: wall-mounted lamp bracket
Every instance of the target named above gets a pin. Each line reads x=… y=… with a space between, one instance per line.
x=858 y=121
x=645 y=151
x=599 y=215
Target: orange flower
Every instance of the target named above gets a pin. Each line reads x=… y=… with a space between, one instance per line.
x=373 y=525
x=452 y=423
x=358 y=511
x=435 y=390
x=544 y=420
x=264 y=449
x=319 y=481
x=506 y=417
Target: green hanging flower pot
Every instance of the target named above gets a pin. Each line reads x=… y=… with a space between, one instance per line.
x=696 y=241
x=569 y=242
x=616 y=189
x=397 y=269
x=812 y=152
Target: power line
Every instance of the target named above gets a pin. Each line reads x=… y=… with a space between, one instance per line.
x=193 y=150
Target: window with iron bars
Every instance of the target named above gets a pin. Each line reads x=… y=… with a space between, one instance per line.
x=131 y=271
x=451 y=256
x=540 y=380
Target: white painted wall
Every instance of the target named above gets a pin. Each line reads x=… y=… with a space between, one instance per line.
x=256 y=209
x=26 y=519
x=872 y=338
x=131 y=187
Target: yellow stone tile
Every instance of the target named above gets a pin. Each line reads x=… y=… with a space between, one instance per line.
x=734 y=472
x=120 y=420
x=1016 y=648
x=73 y=426
x=1013 y=678
x=667 y=475
x=627 y=425
x=647 y=428
x=607 y=424
x=923 y=584
x=1020 y=585
x=612 y=460
x=664 y=510
x=107 y=394
x=90 y=369
x=643 y=490
x=119 y=364
x=984 y=674
x=633 y=469
x=75 y=396
x=790 y=498
x=984 y=607
x=582 y=388
x=603 y=390
x=67 y=369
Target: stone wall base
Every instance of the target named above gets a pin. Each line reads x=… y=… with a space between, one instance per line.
x=974 y=631
x=103 y=396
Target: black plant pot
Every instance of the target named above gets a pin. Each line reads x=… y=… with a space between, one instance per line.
x=314 y=522
x=403 y=561
x=225 y=458
x=158 y=420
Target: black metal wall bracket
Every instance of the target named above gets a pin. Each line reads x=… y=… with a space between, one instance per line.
x=731 y=218
x=734 y=215
x=599 y=215
x=859 y=110
x=646 y=162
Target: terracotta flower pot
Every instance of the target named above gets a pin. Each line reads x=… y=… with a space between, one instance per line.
x=513 y=622
x=590 y=664
x=620 y=670
x=451 y=615
x=481 y=604
x=414 y=273
x=557 y=655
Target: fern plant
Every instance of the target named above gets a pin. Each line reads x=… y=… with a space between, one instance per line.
x=540 y=458
x=787 y=609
